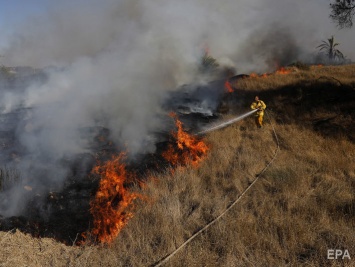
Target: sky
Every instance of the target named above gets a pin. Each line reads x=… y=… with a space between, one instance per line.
x=15 y=12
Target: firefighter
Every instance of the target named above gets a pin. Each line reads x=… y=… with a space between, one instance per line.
x=260 y=106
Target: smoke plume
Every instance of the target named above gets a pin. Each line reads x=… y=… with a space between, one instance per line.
x=111 y=64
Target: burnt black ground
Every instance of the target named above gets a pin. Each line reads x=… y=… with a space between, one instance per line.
x=64 y=214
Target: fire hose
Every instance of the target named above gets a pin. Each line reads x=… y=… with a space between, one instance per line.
x=168 y=257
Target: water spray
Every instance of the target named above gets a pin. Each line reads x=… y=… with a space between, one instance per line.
x=226 y=123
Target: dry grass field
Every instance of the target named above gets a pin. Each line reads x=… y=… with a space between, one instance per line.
x=301 y=206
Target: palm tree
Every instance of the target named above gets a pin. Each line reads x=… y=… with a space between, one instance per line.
x=330 y=49
x=208 y=63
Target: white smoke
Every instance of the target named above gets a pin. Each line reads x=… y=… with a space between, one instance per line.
x=114 y=61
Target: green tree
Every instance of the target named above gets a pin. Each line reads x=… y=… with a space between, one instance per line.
x=329 y=48
x=342 y=12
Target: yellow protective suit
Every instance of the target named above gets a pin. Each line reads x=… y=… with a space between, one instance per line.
x=260 y=106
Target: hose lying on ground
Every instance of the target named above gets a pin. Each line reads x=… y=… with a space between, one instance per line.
x=168 y=257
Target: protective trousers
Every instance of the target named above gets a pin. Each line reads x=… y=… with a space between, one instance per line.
x=259 y=120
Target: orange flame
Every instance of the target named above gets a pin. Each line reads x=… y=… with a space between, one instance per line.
x=228 y=87
x=255 y=75
x=111 y=205
x=187 y=149
x=282 y=70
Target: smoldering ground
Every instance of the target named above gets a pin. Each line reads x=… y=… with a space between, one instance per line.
x=115 y=61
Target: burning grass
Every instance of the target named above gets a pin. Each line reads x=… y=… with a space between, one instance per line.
x=302 y=206
x=296 y=76
x=283 y=71
x=228 y=87
x=111 y=207
x=185 y=148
